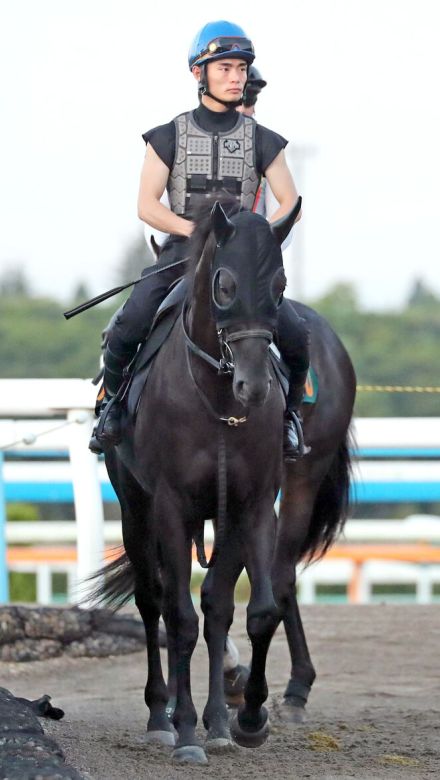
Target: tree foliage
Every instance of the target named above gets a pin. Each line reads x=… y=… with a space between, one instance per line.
x=13 y=283
x=395 y=349
x=137 y=257
x=387 y=348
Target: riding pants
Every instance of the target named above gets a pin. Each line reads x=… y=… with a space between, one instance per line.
x=134 y=321
x=293 y=340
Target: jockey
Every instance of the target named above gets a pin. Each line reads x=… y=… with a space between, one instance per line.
x=200 y=152
x=265 y=203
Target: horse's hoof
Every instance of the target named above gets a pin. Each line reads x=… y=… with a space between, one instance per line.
x=161 y=738
x=250 y=739
x=292 y=714
x=220 y=745
x=189 y=754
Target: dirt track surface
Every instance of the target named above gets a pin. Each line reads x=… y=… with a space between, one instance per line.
x=374 y=711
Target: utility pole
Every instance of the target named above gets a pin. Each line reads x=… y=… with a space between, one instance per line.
x=295 y=255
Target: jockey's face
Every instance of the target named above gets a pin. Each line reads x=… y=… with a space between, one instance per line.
x=226 y=80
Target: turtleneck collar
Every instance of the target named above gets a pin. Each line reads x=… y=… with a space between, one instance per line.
x=215 y=120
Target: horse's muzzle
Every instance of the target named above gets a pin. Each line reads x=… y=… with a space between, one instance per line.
x=251 y=393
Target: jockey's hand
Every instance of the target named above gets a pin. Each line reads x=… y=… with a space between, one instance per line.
x=190 y=227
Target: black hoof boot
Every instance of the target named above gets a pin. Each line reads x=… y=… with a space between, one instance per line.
x=108 y=429
x=111 y=429
x=293 y=440
x=94 y=445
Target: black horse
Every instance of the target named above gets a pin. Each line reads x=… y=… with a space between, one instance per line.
x=314 y=498
x=202 y=447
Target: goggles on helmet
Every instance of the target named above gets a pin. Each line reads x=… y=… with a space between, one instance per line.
x=226 y=45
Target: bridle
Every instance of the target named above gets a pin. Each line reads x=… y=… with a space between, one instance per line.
x=226 y=363
x=225 y=366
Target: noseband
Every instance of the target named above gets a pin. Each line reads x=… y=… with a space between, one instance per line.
x=226 y=363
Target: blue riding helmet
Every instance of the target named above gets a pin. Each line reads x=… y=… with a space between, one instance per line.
x=218 y=40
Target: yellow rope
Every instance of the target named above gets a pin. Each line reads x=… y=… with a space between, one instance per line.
x=396 y=389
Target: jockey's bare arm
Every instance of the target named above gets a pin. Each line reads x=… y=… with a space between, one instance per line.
x=282 y=185
x=154 y=177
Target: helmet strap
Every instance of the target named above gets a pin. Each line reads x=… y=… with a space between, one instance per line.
x=204 y=90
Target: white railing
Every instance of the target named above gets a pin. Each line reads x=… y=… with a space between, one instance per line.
x=65 y=412
x=66 y=405
x=415 y=529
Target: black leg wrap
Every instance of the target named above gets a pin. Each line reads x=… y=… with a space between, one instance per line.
x=113 y=370
x=296 y=390
x=107 y=431
x=297 y=690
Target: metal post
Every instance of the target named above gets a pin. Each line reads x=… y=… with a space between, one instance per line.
x=295 y=256
x=4 y=583
x=89 y=513
x=424 y=585
x=307 y=588
x=44 y=584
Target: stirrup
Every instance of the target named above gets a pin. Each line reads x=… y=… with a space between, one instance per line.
x=100 y=438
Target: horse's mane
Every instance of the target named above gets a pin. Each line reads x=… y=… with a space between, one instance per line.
x=202 y=239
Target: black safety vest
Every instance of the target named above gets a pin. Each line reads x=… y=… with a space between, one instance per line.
x=207 y=162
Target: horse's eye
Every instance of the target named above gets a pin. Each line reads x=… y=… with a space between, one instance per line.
x=277 y=286
x=224 y=288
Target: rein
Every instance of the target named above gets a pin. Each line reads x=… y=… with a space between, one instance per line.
x=223 y=366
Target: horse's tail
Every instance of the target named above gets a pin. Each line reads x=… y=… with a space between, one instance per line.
x=114 y=583
x=332 y=504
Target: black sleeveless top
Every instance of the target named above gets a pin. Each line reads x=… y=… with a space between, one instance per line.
x=163 y=138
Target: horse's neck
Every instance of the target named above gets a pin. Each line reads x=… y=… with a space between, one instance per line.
x=202 y=328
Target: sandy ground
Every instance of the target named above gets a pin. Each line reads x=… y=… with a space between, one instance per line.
x=374 y=711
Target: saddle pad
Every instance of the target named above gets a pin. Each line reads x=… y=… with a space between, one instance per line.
x=282 y=371
x=311 y=387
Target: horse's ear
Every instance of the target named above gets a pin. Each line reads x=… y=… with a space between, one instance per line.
x=282 y=227
x=222 y=226
x=156 y=246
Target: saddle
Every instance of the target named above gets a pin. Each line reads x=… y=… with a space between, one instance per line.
x=164 y=321
x=166 y=316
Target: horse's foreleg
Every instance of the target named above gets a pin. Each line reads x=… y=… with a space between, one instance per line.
x=139 y=542
x=217 y=602
x=181 y=620
x=250 y=727
x=138 y=539
x=148 y=602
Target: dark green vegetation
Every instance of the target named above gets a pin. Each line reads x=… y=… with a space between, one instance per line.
x=387 y=347
x=390 y=348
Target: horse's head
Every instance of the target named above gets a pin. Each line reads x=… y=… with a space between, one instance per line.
x=247 y=283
